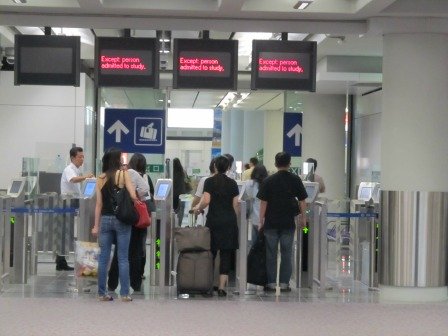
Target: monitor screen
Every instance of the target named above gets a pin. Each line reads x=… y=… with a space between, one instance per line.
x=162 y=191
x=15 y=187
x=89 y=189
x=47 y=60
x=310 y=190
x=283 y=65
x=365 y=193
x=49 y=182
x=205 y=64
x=128 y=62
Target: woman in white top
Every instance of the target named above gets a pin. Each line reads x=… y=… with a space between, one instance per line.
x=249 y=194
x=200 y=189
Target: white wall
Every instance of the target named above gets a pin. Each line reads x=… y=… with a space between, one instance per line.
x=324 y=140
x=192 y=154
x=38 y=120
x=366 y=139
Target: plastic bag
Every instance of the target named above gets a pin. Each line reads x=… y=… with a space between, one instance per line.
x=86 y=259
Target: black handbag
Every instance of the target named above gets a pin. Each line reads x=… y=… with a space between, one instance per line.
x=256 y=262
x=124 y=208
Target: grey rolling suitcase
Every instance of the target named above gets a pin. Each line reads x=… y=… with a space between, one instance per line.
x=195 y=261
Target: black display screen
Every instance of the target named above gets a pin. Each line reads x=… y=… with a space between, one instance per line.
x=284 y=65
x=127 y=62
x=205 y=64
x=47 y=60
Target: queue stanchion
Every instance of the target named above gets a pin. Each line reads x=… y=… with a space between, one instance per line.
x=5 y=239
x=241 y=261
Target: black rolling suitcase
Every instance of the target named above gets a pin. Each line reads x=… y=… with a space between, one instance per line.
x=195 y=261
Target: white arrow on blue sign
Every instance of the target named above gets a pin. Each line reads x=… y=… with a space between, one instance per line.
x=292 y=133
x=135 y=131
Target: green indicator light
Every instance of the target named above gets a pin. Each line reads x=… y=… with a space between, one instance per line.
x=305 y=230
x=158 y=254
x=158 y=242
x=158 y=265
x=12 y=220
x=377 y=226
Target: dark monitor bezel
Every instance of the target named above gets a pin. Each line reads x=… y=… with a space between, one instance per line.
x=126 y=80
x=206 y=82
x=45 y=78
x=279 y=83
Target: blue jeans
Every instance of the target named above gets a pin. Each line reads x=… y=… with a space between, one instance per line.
x=111 y=228
x=286 y=239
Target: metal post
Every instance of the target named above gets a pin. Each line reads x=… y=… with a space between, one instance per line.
x=241 y=261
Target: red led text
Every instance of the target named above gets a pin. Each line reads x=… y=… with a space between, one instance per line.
x=279 y=65
x=125 y=63
x=200 y=64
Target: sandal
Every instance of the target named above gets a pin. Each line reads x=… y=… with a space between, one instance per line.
x=105 y=298
x=126 y=298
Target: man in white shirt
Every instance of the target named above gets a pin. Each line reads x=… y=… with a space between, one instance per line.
x=72 y=176
x=71 y=185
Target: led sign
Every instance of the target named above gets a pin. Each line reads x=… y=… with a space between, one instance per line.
x=283 y=65
x=128 y=62
x=47 y=60
x=205 y=64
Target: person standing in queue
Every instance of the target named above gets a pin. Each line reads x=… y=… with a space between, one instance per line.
x=282 y=197
x=180 y=187
x=71 y=186
x=108 y=228
x=136 y=170
x=313 y=177
x=221 y=196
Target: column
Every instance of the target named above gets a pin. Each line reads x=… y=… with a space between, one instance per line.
x=237 y=134
x=253 y=133
x=414 y=159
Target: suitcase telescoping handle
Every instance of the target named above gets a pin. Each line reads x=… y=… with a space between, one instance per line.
x=192 y=218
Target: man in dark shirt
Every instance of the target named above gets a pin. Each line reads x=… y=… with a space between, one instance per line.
x=281 y=195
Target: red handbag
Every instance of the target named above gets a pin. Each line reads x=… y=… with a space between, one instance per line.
x=144 y=218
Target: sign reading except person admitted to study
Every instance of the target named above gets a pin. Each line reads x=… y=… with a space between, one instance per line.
x=125 y=61
x=283 y=65
x=135 y=131
x=205 y=64
x=292 y=133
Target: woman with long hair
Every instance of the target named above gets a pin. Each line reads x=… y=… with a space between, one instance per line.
x=137 y=244
x=107 y=227
x=249 y=194
x=179 y=188
x=221 y=196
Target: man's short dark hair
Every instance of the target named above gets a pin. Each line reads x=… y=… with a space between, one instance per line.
x=282 y=160
x=253 y=160
x=74 y=151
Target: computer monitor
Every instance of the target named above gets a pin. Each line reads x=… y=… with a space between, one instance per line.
x=365 y=193
x=16 y=187
x=49 y=182
x=162 y=190
x=89 y=188
x=312 y=190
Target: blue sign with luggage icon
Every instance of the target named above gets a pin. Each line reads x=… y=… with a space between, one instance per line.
x=133 y=131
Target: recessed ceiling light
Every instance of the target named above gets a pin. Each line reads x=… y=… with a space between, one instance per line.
x=301 y=5
x=19 y=1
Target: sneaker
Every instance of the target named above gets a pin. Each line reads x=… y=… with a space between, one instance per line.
x=126 y=298
x=285 y=289
x=105 y=298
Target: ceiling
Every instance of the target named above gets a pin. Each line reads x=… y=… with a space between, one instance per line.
x=349 y=41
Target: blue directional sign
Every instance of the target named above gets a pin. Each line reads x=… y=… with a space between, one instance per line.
x=133 y=131
x=292 y=133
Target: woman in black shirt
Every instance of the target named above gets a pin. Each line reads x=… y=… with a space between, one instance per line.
x=221 y=196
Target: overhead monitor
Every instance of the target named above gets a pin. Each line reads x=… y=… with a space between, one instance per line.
x=205 y=64
x=127 y=62
x=162 y=190
x=16 y=187
x=283 y=65
x=89 y=188
x=47 y=60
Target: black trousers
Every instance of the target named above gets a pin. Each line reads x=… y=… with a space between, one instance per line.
x=135 y=262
